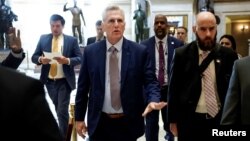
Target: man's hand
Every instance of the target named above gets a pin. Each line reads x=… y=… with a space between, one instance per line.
x=153 y=106
x=81 y=129
x=173 y=129
x=62 y=60
x=43 y=60
x=14 y=40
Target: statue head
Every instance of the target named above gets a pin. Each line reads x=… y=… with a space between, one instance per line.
x=2 y=2
x=75 y=3
x=139 y=6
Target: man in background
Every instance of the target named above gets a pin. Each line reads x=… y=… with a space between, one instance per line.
x=161 y=48
x=236 y=109
x=58 y=73
x=199 y=77
x=182 y=34
x=99 y=33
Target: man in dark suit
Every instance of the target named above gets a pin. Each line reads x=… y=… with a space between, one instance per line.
x=111 y=119
x=169 y=43
x=16 y=55
x=237 y=106
x=99 y=33
x=58 y=73
x=25 y=113
x=193 y=113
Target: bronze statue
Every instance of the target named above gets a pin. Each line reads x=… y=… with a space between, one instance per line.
x=207 y=5
x=140 y=18
x=6 y=19
x=76 y=21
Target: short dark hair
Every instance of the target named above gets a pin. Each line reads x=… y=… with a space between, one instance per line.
x=183 y=27
x=231 y=39
x=98 y=23
x=56 y=17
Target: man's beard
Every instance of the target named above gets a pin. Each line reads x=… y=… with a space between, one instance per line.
x=207 y=43
x=160 y=33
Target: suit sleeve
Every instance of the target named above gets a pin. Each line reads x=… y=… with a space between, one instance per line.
x=231 y=110
x=75 y=58
x=81 y=98
x=38 y=52
x=152 y=86
x=173 y=94
x=12 y=61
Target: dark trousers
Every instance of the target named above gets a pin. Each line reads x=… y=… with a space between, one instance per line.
x=112 y=129
x=197 y=127
x=152 y=120
x=59 y=92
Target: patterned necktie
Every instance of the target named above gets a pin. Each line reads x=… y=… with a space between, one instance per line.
x=53 y=67
x=209 y=91
x=161 y=64
x=114 y=79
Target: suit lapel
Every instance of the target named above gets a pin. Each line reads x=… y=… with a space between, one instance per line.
x=152 y=50
x=126 y=56
x=194 y=56
x=101 y=53
x=170 y=49
x=64 y=47
x=217 y=61
x=49 y=42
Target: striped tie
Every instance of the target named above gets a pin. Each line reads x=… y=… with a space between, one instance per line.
x=209 y=90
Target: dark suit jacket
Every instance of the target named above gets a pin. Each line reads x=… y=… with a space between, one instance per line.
x=172 y=44
x=237 y=106
x=136 y=73
x=12 y=62
x=185 y=79
x=25 y=113
x=71 y=50
x=91 y=40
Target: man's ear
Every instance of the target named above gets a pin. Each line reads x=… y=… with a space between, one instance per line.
x=103 y=27
x=194 y=29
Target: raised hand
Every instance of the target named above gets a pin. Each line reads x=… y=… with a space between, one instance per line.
x=14 y=40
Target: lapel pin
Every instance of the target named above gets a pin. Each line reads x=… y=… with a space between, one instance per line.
x=218 y=61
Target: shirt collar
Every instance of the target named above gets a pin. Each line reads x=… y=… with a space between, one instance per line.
x=59 y=37
x=201 y=51
x=164 y=40
x=118 y=45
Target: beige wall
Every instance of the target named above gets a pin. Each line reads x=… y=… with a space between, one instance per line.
x=241 y=37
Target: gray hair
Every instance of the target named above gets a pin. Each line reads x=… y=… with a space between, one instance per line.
x=111 y=8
